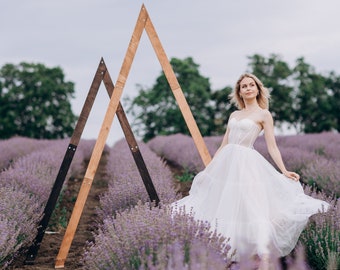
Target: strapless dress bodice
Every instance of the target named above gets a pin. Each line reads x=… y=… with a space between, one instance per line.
x=243 y=132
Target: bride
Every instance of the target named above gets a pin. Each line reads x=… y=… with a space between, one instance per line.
x=241 y=194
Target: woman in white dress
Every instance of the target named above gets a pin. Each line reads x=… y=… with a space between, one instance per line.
x=241 y=194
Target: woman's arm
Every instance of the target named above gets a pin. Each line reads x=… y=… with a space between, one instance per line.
x=273 y=150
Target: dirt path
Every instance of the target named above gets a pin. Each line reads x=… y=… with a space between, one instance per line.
x=51 y=242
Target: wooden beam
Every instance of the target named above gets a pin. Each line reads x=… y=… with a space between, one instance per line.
x=178 y=93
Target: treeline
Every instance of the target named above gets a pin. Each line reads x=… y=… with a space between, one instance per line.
x=35 y=101
x=301 y=98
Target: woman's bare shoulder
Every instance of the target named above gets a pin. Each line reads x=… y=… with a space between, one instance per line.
x=265 y=115
x=235 y=113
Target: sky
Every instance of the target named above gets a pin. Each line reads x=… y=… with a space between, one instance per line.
x=218 y=34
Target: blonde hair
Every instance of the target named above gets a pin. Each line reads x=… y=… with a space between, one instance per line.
x=262 y=97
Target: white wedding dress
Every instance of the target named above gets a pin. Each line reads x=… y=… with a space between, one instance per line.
x=246 y=199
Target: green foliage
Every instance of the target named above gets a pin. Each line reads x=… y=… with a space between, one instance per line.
x=186 y=176
x=156 y=111
x=275 y=73
x=223 y=109
x=300 y=98
x=60 y=215
x=320 y=151
x=321 y=242
x=35 y=102
x=314 y=109
x=333 y=88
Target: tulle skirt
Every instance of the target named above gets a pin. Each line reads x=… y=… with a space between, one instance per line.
x=246 y=199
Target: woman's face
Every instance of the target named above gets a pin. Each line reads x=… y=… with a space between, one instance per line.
x=248 y=88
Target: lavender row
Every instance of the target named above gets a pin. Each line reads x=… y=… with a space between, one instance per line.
x=25 y=186
x=125 y=187
x=13 y=148
x=16 y=147
x=150 y=238
x=315 y=156
x=321 y=238
x=134 y=232
x=142 y=236
x=147 y=238
x=180 y=150
x=19 y=215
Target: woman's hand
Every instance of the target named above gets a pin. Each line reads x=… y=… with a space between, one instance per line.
x=292 y=175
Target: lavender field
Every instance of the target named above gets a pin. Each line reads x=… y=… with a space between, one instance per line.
x=130 y=232
x=28 y=170
x=316 y=157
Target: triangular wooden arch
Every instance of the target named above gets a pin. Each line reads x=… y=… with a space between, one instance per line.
x=143 y=22
x=101 y=74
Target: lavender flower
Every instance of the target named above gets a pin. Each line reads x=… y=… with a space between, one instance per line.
x=19 y=215
x=321 y=238
x=177 y=256
x=35 y=173
x=179 y=149
x=126 y=187
x=24 y=189
x=325 y=173
x=126 y=241
x=13 y=148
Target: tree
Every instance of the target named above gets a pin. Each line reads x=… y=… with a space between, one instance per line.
x=35 y=102
x=156 y=111
x=275 y=75
x=223 y=108
x=333 y=86
x=314 y=110
x=299 y=96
